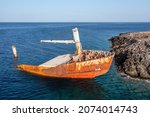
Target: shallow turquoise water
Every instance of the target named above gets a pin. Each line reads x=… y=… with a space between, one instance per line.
x=15 y=84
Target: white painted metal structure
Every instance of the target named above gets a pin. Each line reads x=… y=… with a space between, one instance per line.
x=76 y=40
x=14 y=50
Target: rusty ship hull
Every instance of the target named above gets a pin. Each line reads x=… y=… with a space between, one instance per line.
x=82 y=70
x=82 y=64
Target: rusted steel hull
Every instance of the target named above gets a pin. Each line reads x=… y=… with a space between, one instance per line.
x=86 y=69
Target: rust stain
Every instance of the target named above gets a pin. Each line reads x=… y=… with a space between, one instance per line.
x=86 y=69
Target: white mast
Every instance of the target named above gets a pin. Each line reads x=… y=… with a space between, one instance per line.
x=76 y=40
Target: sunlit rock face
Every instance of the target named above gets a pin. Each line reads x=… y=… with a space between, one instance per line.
x=132 y=53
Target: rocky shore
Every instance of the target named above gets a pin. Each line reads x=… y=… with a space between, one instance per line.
x=132 y=53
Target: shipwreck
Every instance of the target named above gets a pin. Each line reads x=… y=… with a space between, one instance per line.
x=81 y=64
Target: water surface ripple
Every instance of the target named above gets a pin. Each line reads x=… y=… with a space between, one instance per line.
x=15 y=84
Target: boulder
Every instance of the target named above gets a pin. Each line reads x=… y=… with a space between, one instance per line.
x=86 y=55
x=132 y=53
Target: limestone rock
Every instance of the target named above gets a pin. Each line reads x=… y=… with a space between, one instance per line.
x=132 y=53
x=86 y=55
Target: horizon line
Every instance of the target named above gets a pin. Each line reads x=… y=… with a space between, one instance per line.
x=73 y=22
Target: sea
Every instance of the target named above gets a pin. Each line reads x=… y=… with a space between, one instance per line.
x=18 y=85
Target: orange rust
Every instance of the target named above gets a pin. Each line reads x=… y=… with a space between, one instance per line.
x=86 y=69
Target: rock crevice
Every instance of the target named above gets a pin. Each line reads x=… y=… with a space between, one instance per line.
x=132 y=53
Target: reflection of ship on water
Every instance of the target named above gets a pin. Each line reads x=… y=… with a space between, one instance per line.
x=71 y=89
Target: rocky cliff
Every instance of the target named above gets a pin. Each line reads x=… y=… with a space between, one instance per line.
x=132 y=53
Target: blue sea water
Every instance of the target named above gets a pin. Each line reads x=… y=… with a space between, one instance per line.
x=15 y=84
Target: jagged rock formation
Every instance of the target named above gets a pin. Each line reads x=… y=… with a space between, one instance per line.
x=132 y=53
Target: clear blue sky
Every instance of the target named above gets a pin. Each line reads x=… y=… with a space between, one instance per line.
x=74 y=10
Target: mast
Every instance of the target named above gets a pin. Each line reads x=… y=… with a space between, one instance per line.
x=76 y=41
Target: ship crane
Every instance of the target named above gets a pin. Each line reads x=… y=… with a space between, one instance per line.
x=76 y=41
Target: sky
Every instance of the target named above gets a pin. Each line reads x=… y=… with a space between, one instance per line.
x=74 y=10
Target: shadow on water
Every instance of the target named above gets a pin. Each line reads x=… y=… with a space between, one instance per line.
x=63 y=89
x=15 y=62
